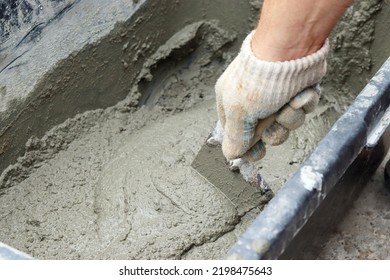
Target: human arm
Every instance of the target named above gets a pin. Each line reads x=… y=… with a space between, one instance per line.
x=291 y=29
x=259 y=93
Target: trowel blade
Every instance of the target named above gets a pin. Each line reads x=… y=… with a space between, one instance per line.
x=211 y=165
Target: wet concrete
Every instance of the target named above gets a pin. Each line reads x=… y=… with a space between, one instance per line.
x=117 y=182
x=364 y=232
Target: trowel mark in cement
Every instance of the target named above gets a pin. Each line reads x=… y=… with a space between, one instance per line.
x=150 y=200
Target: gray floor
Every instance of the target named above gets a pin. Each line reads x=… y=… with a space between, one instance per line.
x=364 y=232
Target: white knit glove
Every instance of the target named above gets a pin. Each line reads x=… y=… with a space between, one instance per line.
x=259 y=101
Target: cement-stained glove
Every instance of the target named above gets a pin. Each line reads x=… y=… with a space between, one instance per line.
x=259 y=101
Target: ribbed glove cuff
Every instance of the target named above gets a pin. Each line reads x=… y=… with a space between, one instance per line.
x=277 y=82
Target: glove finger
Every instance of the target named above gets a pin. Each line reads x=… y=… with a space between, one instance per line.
x=290 y=118
x=256 y=152
x=238 y=133
x=220 y=109
x=262 y=125
x=275 y=134
x=307 y=100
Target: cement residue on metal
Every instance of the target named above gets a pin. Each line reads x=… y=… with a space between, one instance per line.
x=117 y=183
x=311 y=179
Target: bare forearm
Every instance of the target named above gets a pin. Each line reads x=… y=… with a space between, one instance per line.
x=290 y=29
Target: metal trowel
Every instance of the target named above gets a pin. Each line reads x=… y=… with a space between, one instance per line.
x=233 y=181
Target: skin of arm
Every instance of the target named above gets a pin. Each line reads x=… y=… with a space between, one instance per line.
x=291 y=29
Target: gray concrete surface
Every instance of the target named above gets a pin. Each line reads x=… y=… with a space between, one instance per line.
x=364 y=232
x=62 y=195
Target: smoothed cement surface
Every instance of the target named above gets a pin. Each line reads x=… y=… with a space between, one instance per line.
x=117 y=183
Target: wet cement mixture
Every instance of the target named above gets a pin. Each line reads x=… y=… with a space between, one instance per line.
x=364 y=232
x=116 y=183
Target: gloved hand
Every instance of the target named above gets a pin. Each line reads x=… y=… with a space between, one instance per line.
x=259 y=102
